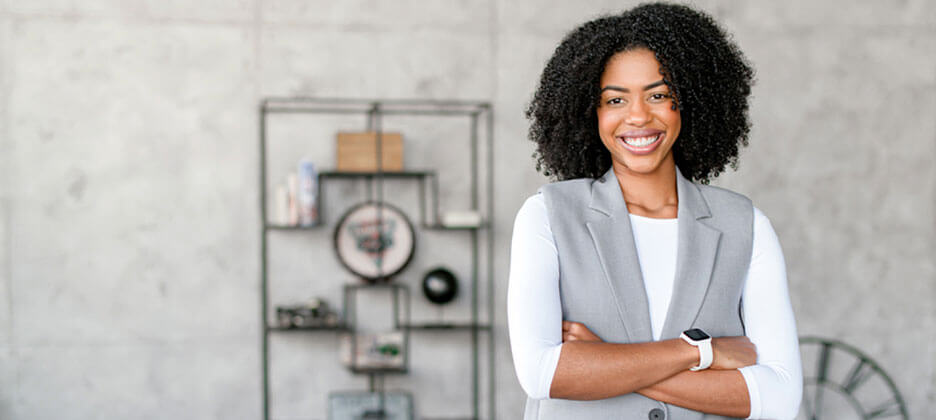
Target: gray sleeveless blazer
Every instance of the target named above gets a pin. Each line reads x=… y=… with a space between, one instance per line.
x=600 y=282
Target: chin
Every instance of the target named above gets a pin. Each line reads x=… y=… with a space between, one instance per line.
x=642 y=167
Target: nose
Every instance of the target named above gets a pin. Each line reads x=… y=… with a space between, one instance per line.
x=637 y=114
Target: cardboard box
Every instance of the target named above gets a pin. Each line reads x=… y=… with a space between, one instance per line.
x=357 y=152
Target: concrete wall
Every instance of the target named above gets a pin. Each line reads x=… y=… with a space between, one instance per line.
x=129 y=232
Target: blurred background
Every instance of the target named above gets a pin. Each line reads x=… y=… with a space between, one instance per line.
x=130 y=223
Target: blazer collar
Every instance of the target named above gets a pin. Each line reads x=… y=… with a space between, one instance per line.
x=607 y=198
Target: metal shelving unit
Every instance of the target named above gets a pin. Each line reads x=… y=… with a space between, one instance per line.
x=479 y=114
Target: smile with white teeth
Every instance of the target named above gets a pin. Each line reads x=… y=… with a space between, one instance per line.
x=640 y=141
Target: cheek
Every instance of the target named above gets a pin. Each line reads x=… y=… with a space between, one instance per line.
x=671 y=118
x=607 y=123
x=606 y=130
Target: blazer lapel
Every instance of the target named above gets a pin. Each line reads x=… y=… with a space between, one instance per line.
x=695 y=258
x=614 y=241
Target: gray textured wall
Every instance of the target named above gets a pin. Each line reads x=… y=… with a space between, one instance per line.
x=128 y=159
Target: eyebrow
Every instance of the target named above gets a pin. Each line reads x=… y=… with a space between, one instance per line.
x=626 y=90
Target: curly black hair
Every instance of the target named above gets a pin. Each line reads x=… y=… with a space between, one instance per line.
x=706 y=72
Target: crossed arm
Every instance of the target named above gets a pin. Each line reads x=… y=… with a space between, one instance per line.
x=554 y=362
x=591 y=369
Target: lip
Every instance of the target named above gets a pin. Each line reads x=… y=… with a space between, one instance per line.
x=644 y=150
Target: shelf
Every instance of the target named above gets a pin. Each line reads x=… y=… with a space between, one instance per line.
x=375 y=285
x=411 y=327
x=443 y=227
x=337 y=328
x=378 y=370
x=303 y=105
x=446 y=327
x=372 y=186
x=400 y=174
x=293 y=227
x=448 y=418
x=424 y=226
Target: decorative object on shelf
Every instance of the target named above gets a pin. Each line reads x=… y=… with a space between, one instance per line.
x=377 y=351
x=440 y=286
x=281 y=206
x=296 y=202
x=357 y=151
x=307 y=193
x=315 y=313
x=461 y=219
x=292 y=208
x=375 y=241
x=370 y=405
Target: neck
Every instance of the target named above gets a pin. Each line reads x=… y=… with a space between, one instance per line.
x=650 y=194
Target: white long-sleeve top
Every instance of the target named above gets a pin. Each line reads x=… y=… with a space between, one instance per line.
x=534 y=312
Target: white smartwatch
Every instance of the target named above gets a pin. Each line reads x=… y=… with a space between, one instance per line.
x=703 y=342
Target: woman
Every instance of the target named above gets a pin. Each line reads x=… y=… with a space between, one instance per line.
x=621 y=271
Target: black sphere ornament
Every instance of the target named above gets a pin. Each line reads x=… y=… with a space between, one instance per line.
x=440 y=286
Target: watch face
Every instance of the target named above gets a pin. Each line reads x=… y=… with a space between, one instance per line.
x=696 y=334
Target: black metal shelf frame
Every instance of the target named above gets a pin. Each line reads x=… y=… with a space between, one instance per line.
x=336 y=328
x=479 y=113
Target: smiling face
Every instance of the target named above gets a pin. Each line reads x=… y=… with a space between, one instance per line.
x=637 y=121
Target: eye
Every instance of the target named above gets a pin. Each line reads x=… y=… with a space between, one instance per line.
x=614 y=101
x=659 y=97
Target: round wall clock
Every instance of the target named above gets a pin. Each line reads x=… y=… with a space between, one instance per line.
x=375 y=241
x=840 y=382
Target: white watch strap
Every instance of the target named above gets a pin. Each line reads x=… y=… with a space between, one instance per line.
x=705 y=351
x=705 y=355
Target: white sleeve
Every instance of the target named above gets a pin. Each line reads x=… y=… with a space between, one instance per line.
x=534 y=312
x=775 y=383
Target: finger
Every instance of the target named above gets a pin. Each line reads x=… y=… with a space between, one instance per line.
x=566 y=325
x=582 y=332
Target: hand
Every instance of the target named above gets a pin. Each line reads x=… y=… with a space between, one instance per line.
x=576 y=331
x=732 y=353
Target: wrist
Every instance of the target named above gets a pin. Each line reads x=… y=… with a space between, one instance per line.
x=702 y=342
x=689 y=354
